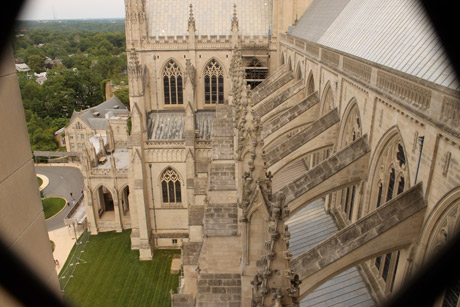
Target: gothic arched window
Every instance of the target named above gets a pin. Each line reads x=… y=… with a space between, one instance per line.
x=172 y=83
x=170 y=187
x=213 y=83
x=391 y=178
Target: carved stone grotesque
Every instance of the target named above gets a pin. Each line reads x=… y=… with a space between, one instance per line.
x=189 y=72
x=277 y=297
x=257 y=281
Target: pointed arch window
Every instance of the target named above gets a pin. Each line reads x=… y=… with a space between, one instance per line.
x=391 y=179
x=172 y=84
x=392 y=175
x=213 y=83
x=171 y=187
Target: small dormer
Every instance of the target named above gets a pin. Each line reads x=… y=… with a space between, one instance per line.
x=96 y=114
x=116 y=107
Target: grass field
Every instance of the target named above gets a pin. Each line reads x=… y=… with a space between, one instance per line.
x=114 y=276
x=52 y=205
x=40 y=181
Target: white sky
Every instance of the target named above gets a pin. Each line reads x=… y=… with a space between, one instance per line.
x=72 y=9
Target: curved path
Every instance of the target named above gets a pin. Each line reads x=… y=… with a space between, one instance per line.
x=63 y=180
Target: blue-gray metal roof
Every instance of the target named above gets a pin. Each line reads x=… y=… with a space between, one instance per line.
x=170 y=125
x=308 y=227
x=394 y=33
x=212 y=17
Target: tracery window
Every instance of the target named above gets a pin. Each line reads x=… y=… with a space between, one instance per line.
x=172 y=83
x=213 y=83
x=392 y=174
x=390 y=180
x=350 y=132
x=170 y=187
x=387 y=266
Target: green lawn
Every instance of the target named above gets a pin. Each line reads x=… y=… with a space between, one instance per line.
x=52 y=205
x=114 y=276
x=40 y=181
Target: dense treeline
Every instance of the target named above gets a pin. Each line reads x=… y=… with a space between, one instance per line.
x=79 y=57
x=79 y=25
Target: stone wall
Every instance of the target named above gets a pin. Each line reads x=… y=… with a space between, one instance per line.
x=219 y=290
x=221 y=220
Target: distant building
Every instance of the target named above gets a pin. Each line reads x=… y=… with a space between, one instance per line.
x=106 y=121
x=49 y=63
x=40 y=77
x=22 y=67
x=60 y=137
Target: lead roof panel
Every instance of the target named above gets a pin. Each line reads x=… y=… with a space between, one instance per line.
x=212 y=17
x=393 y=33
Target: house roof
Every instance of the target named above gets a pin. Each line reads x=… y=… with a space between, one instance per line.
x=393 y=33
x=212 y=17
x=96 y=117
x=22 y=67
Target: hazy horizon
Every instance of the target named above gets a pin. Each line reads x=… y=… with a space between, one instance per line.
x=49 y=10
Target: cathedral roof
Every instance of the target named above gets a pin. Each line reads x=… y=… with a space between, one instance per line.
x=393 y=33
x=212 y=17
x=170 y=125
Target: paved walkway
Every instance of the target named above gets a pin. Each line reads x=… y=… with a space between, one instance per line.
x=63 y=239
x=59 y=180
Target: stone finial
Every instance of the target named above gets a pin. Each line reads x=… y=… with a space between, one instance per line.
x=191 y=20
x=235 y=18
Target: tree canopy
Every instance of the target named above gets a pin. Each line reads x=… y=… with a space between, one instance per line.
x=78 y=57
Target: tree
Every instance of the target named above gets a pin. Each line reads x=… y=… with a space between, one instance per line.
x=123 y=95
x=36 y=63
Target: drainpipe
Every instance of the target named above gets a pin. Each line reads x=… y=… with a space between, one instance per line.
x=420 y=143
x=153 y=205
